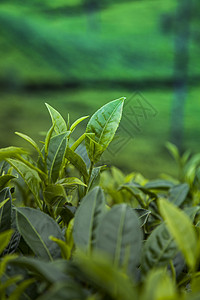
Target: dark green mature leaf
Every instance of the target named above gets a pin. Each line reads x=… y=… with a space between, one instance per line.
x=42 y=269
x=30 y=177
x=54 y=193
x=158 y=250
x=159 y=184
x=178 y=193
x=103 y=124
x=60 y=124
x=88 y=217
x=64 y=291
x=182 y=229
x=78 y=162
x=36 y=227
x=5 y=210
x=120 y=236
x=56 y=153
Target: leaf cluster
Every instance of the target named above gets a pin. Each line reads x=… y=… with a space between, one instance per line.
x=73 y=229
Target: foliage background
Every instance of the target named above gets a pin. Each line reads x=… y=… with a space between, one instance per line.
x=79 y=54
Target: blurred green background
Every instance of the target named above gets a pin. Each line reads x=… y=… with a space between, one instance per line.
x=77 y=55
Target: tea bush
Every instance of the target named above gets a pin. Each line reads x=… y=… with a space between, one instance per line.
x=71 y=228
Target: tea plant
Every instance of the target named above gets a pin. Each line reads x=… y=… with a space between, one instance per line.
x=70 y=229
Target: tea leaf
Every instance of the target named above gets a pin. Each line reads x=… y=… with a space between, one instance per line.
x=158 y=250
x=9 y=152
x=178 y=193
x=5 y=238
x=56 y=153
x=36 y=227
x=158 y=285
x=30 y=141
x=30 y=177
x=5 y=209
x=88 y=217
x=78 y=162
x=103 y=124
x=181 y=229
x=60 y=124
x=73 y=126
x=120 y=236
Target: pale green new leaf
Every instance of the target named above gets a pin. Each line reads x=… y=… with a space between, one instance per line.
x=70 y=181
x=4 y=180
x=158 y=286
x=120 y=236
x=5 y=209
x=103 y=124
x=100 y=271
x=88 y=217
x=17 y=293
x=182 y=229
x=60 y=124
x=36 y=227
x=11 y=152
x=30 y=141
x=30 y=177
x=5 y=238
x=65 y=249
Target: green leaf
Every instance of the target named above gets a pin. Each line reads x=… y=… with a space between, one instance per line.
x=9 y=152
x=30 y=177
x=101 y=273
x=65 y=249
x=73 y=126
x=56 y=153
x=60 y=124
x=88 y=217
x=70 y=181
x=17 y=293
x=173 y=150
x=5 y=209
x=36 y=227
x=30 y=141
x=47 y=140
x=120 y=236
x=64 y=291
x=4 y=179
x=143 y=215
x=158 y=250
x=158 y=286
x=181 y=229
x=103 y=124
x=42 y=269
x=78 y=162
x=178 y=193
x=159 y=184
x=54 y=193
x=5 y=238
